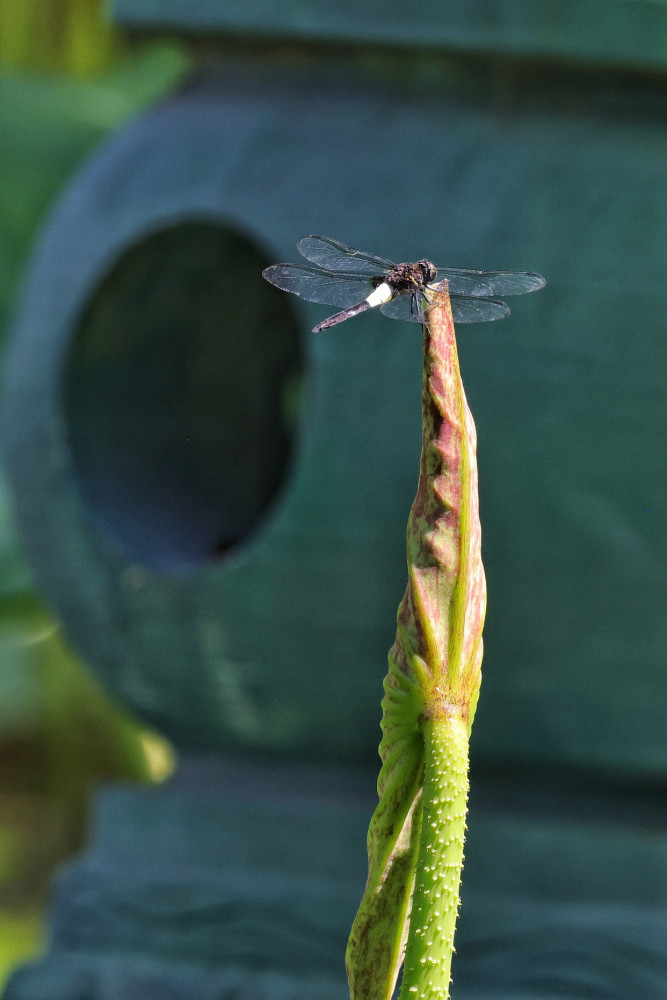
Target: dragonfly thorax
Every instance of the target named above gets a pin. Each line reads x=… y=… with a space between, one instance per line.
x=410 y=277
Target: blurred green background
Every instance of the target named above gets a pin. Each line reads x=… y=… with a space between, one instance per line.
x=66 y=79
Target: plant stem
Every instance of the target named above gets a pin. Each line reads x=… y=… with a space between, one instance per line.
x=415 y=839
x=435 y=900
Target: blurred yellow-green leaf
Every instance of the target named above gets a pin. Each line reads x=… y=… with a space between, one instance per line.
x=20 y=937
x=72 y=36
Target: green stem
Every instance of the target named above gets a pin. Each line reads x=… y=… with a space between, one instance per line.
x=435 y=901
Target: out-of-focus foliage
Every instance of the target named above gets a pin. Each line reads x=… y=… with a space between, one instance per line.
x=72 y=36
x=19 y=935
x=59 y=733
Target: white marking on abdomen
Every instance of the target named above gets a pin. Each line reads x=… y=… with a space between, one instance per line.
x=380 y=295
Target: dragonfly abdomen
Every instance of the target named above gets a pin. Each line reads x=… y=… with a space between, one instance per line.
x=383 y=293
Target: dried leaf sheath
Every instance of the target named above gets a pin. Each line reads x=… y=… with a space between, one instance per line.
x=434 y=673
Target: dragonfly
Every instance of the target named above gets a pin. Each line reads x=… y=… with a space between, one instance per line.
x=339 y=275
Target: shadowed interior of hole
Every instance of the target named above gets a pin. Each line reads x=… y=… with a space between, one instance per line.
x=180 y=396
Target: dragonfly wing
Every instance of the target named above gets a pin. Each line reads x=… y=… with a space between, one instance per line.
x=314 y=285
x=465 y=309
x=334 y=256
x=513 y=282
x=477 y=310
x=482 y=284
x=401 y=307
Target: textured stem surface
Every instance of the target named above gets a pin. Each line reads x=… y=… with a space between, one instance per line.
x=435 y=900
x=431 y=693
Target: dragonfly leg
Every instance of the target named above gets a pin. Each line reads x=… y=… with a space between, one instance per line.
x=416 y=306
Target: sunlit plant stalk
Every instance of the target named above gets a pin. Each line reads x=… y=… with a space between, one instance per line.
x=415 y=840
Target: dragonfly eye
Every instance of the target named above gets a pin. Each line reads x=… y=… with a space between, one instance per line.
x=429 y=271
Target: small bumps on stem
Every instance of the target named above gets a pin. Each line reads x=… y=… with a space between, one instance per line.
x=435 y=899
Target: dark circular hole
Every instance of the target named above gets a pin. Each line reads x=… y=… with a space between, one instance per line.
x=181 y=395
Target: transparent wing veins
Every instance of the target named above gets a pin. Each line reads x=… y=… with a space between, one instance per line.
x=315 y=285
x=482 y=284
x=334 y=256
x=465 y=309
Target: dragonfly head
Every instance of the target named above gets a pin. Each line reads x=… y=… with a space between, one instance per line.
x=429 y=271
